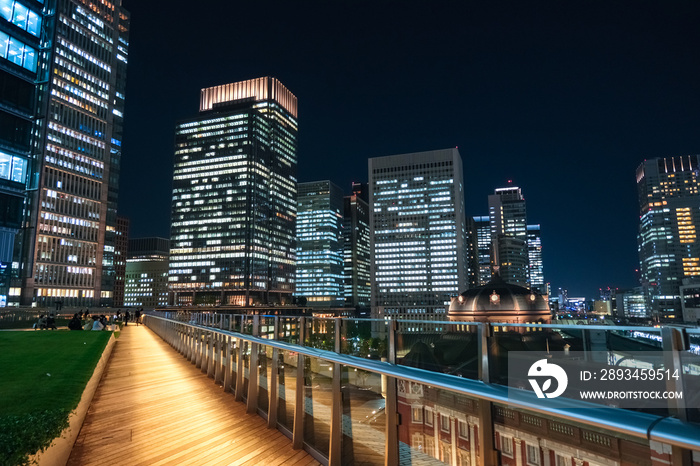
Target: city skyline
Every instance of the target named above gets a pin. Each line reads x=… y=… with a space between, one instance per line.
x=564 y=100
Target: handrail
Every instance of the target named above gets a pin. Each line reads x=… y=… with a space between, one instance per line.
x=453 y=322
x=641 y=425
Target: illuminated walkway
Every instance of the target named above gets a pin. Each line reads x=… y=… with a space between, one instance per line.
x=154 y=407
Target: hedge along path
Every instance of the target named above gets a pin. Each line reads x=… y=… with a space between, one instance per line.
x=154 y=407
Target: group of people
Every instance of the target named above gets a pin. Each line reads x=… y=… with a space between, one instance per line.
x=46 y=322
x=94 y=322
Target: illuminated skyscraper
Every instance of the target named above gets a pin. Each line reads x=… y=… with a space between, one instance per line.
x=234 y=197
x=482 y=224
x=319 y=277
x=146 y=278
x=508 y=219
x=417 y=224
x=356 y=248
x=534 y=249
x=69 y=249
x=25 y=35
x=669 y=215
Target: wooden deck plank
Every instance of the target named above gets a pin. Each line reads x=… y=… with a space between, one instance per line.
x=154 y=407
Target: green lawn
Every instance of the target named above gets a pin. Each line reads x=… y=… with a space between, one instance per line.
x=44 y=374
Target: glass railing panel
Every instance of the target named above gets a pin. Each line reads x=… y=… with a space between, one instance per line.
x=318 y=398
x=540 y=439
x=437 y=426
x=690 y=360
x=264 y=376
x=267 y=327
x=438 y=346
x=287 y=388
x=320 y=333
x=361 y=337
x=289 y=330
x=247 y=324
x=236 y=323
x=608 y=345
x=364 y=417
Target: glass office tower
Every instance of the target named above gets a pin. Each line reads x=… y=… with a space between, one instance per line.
x=507 y=214
x=482 y=224
x=418 y=232
x=534 y=249
x=146 y=275
x=356 y=249
x=319 y=277
x=234 y=197
x=69 y=253
x=669 y=216
x=25 y=39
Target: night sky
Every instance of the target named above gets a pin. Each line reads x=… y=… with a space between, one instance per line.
x=564 y=98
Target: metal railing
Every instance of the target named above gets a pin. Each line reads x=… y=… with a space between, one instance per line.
x=342 y=393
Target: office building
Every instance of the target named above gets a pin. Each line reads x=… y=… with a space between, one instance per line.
x=669 y=215
x=234 y=197
x=320 y=277
x=534 y=252
x=25 y=34
x=631 y=303
x=508 y=218
x=482 y=224
x=68 y=252
x=121 y=249
x=417 y=225
x=472 y=244
x=356 y=248
x=146 y=277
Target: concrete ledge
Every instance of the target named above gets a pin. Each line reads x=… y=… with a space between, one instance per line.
x=58 y=452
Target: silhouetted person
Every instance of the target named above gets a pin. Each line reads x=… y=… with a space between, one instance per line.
x=127 y=316
x=75 y=323
x=51 y=322
x=137 y=316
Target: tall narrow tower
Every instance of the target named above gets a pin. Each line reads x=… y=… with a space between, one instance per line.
x=234 y=197
x=508 y=219
x=69 y=250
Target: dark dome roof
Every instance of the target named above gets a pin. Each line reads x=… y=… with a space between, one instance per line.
x=498 y=296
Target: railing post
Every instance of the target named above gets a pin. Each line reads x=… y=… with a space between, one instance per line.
x=252 y=402
x=391 y=430
x=205 y=351
x=228 y=374
x=674 y=341
x=298 y=430
x=336 y=428
x=217 y=358
x=239 y=371
x=487 y=451
x=198 y=347
x=272 y=383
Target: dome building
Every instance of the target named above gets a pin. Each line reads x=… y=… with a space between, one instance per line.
x=497 y=302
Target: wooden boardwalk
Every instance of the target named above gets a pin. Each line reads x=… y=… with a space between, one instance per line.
x=154 y=407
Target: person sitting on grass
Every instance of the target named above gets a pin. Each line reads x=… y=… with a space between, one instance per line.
x=75 y=323
x=96 y=324
x=51 y=322
x=41 y=323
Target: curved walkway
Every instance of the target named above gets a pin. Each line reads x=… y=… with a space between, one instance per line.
x=154 y=407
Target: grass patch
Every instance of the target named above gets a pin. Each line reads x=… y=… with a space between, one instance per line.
x=44 y=375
